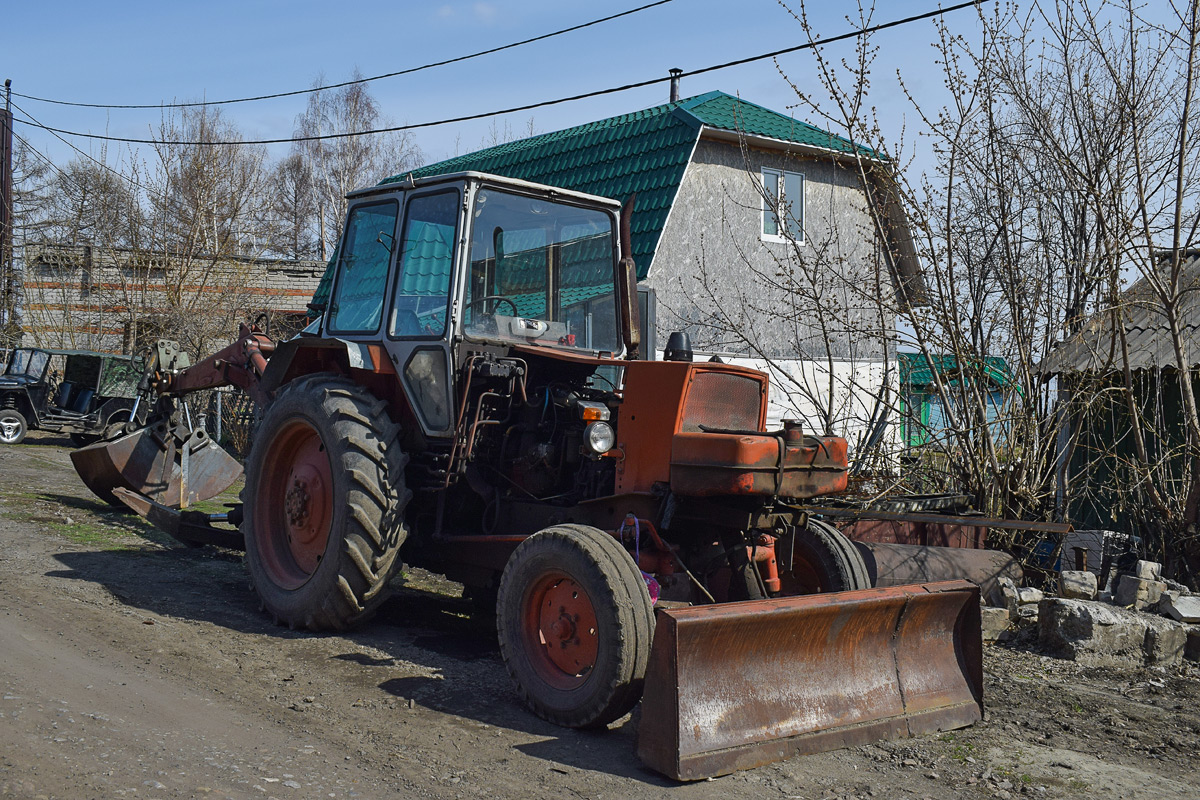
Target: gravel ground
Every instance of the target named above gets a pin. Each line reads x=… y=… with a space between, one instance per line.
x=132 y=666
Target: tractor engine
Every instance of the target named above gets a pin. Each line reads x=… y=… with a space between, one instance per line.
x=553 y=451
x=538 y=442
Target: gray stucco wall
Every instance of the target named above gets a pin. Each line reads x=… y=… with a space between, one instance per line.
x=717 y=279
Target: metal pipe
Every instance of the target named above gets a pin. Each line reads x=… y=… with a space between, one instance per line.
x=939 y=519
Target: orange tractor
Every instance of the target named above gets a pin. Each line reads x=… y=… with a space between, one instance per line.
x=471 y=400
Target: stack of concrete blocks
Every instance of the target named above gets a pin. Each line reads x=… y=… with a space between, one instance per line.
x=1139 y=619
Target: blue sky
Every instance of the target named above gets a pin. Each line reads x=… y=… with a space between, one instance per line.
x=141 y=52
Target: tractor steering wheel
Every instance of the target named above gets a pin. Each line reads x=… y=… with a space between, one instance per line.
x=494 y=298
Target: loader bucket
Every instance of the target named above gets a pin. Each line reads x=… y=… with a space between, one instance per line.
x=738 y=685
x=173 y=467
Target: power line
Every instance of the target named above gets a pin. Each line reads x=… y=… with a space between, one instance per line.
x=528 y=106
x=88 y=156
x=408 y=71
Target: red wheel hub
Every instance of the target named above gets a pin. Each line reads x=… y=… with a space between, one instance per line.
x=560 y=623
x=294 y=505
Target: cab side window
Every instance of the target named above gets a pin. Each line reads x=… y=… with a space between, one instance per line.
x=362 y=270
x=426 y=265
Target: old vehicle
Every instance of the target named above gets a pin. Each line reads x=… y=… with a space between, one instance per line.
x=79 y=392
x=471 y=400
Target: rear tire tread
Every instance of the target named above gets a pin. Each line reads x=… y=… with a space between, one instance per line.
x=365 y=455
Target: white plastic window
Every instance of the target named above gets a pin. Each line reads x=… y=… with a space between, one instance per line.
x=783 y=205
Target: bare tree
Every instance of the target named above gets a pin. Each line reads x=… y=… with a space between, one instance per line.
x=1064 y=166
x=90 y=203
x=338 y=166
x=31 y=175
x=294 y=203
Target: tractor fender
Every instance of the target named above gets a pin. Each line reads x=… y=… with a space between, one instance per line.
x=308 y=354
x=366 y=363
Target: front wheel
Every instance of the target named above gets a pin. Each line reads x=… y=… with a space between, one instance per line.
x=575 y=626
x=12 y=426
x=324 y=504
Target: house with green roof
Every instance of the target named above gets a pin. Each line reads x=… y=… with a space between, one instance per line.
x=729 y=196
x=923 y=405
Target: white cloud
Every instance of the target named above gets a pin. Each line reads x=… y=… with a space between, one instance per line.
x=484 y=12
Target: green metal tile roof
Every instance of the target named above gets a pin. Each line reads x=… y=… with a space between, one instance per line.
x=644 y=151
x=916 y=371
x=719 y=110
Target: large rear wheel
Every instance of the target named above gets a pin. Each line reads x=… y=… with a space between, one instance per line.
x=575 y=626
x=324 y=504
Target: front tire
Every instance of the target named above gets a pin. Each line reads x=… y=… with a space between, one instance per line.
x=575 y=626
x=324 y=504
x=13 y=426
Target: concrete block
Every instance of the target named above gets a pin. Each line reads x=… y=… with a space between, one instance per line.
x=1165 y=641
x=995 y=623
x=1191 y=650
x=1148 y=570
x=1138 y=593
x=1077 y=585
x=1027 y=595
x=1183 y=608
x=1097 y=634
x=1008 y=593
x=1169 y=596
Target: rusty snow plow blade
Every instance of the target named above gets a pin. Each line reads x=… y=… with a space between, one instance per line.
x=739 y=685
x=173 y=467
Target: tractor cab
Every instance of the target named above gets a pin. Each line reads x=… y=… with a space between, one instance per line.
x=434 y=269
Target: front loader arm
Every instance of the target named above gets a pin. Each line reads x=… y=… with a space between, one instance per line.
x=240 y=364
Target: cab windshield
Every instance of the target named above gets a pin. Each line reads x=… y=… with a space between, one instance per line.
x=541 y=273
x=30 y=363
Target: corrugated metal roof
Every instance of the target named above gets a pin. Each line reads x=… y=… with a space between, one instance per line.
x=427 y=258
x=719 y=110
x=1096 y=346
x=644 y=152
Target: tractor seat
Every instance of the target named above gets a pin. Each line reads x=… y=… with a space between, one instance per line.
x=405 y=323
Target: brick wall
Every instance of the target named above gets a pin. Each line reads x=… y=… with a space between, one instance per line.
x=101 y=299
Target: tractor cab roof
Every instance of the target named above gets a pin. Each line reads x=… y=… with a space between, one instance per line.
x=483 y=177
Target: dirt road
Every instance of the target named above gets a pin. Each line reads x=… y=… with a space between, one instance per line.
x=135 y=667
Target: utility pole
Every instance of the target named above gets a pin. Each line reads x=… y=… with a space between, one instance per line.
x=6 y=214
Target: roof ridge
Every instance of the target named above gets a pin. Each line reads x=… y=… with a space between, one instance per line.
x=519 y=145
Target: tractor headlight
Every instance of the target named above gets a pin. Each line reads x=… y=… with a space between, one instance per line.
x=599 y=437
